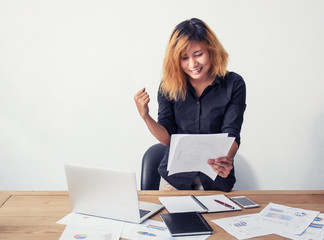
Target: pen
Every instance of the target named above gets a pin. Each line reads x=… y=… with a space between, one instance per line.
x=225 y=204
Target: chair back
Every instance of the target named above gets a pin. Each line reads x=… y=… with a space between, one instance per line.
x=150 y=177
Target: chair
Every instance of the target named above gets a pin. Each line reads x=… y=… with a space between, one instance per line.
x=150 y=177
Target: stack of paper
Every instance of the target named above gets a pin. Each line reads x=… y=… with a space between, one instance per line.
x=190 y=152
x=277 y=219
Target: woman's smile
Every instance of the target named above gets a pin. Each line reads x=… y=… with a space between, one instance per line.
x=195 y=62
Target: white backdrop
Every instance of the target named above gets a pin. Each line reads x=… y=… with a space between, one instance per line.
x=69 y=71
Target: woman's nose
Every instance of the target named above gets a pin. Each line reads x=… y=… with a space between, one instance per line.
x=192 y=63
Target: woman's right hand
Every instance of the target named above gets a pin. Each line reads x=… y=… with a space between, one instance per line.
x=142 y=99
x=159 y=132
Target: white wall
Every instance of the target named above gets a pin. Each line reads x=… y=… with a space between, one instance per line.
x=69 y=70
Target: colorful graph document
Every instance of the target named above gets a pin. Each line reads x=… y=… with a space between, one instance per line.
x=152 y=229
x=286 y=219
x=80 y=226
x=268 y=222
x=243 y=227
x=86 y=233
x=190 y=152
x=86 y=227
x=314 y=231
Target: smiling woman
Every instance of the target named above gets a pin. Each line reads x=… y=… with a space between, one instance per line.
x=196 y=64
x=186 y=36
x=197 y=96
x=69 y=68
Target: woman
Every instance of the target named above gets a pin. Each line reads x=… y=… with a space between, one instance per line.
x=196 y=95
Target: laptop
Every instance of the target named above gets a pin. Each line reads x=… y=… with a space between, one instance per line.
x=107 y=193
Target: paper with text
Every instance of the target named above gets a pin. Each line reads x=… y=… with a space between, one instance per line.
x=152 y=229
x=90 y=227
x=248 y=226
x=88 y=233
x=286 y=219
x=190 y=152
x=315 y=230
x=243 y=227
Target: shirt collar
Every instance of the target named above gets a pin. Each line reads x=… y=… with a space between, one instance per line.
x=217 y=80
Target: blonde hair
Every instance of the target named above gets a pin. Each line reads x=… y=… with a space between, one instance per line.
x=174 y=80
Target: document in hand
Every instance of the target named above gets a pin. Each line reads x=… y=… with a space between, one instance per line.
x=209 y=203
x=190 y=152
x=186 y=224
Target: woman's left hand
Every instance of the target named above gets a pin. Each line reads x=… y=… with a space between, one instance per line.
x=222 y=166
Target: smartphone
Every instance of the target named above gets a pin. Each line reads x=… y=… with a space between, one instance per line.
x=244 y=202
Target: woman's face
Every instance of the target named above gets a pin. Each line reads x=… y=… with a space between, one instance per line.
x=195 y=62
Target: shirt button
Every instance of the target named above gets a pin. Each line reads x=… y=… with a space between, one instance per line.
x=198 y=102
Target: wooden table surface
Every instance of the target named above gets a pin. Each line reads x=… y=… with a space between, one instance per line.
x=33 y=215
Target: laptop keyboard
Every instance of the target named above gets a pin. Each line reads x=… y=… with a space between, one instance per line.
x=143 y=212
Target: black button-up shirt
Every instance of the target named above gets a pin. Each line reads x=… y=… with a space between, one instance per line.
x=219 y=109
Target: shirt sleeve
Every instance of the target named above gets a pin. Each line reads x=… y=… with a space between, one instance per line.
x=166 y=114
x=233 y=117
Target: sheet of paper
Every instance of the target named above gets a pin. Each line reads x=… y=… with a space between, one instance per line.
x=152 y=229
x=315 y=230
x=87 y=233
x=181 y=204
x=173 y=143
x=191 y=152
x=286 y=219
x=90 y=226
x=243 y=227
x=175 y=138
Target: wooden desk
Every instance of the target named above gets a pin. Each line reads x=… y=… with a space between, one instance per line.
x=33 y=215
